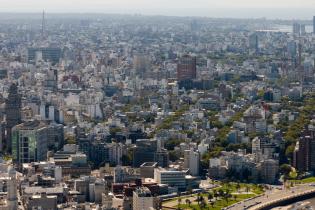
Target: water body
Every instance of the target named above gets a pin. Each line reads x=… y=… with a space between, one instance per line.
x=287 y=29
x=312 y=202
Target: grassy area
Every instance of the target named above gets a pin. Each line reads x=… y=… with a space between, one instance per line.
x=304 y=181
x=308 y=180
x=237 y=192
x=255 y=189
x=219 y=204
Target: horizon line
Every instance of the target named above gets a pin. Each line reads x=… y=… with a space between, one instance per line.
x=161 y=15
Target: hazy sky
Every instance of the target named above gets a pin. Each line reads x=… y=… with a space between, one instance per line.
x=258 y=8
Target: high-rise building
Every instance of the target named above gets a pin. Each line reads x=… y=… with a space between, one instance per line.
x=116 y=151
x=144 y=151
x=52 y=55
x=256 y=149
x=304 y=153
x=55 y=136
x=2 y=135
x=192 y=161
x=300 y=155
x=99 y=153
x=187 y=68
x=147 y=170
x=51 y=81
x=3 y=73
x=142 y=199
x=29 y=142
x=292 y=49
x=13 y=113
x=141 y=64
x=162 y=158
x=303 y=29
x=253 y=42
x=269 y=170
x=296 y=28
x=300 y=54
x=194 y=26
x=171 y=177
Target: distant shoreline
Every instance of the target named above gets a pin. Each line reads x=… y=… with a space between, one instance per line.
x=84 y=15
x=286 y=14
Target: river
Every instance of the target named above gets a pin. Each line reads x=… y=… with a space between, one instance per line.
x=287 y=28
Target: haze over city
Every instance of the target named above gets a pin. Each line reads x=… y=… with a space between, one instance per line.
x=284 y=9
x=157 y=104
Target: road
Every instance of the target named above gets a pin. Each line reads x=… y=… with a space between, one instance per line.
x=269 y=196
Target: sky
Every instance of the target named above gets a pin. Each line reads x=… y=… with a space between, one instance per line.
x=286 y=9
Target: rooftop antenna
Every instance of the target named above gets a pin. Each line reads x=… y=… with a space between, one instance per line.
x=43 y=23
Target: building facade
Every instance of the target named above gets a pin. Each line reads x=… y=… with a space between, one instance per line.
x=29 y=142
x=13 y=113
x=186 y=68
x=142 y=199
x=171 y=177
x=192 y=161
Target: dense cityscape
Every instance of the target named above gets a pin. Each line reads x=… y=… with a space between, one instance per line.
x=139 y=112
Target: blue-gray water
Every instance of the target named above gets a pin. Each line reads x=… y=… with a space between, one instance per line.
x=312 y=201
x=288 y=28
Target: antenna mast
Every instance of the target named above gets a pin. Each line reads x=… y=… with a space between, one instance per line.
x=43 y=24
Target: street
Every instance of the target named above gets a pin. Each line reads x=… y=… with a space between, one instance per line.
x=269 y=196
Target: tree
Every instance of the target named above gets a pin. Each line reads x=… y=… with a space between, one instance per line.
x=234 y=196
x=212 y=204
x=179 y=202
x=203 y=203
x=70 y=139
x=210 y=196
x=289 y=151
x=215 y=194
x=114 y=130
x=285 y=169
x=198 y=198
x=126 y=160
x=172 y=143
x=247 y=188
x=221 y=192
x=228 y=186
x=188 y=202
x=227 y=195
x=238 y=187
x=173 y=156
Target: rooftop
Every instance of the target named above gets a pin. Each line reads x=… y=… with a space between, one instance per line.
x=31 y=125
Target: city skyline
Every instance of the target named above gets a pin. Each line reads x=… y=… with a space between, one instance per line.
x=156 y=104
x=226 y=8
